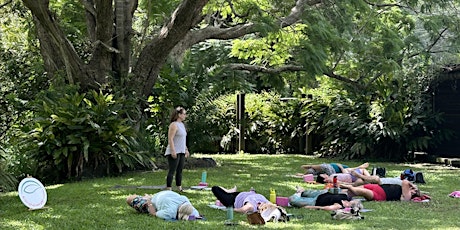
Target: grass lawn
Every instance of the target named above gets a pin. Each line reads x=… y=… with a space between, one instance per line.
x=98 y=204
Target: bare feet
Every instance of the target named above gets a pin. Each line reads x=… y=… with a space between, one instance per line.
x=233 y=189
x=299 y=189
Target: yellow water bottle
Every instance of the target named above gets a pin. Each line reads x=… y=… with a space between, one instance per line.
x=272 y=196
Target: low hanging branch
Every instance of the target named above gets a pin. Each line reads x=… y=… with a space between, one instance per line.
x=6 y=3
x=263 y=69
x=195 y=36
x=287 y=68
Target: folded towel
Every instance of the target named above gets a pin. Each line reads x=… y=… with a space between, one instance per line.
x=455 y=194
x=423 y=198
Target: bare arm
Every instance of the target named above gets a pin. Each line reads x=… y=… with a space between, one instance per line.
x=245 y=209
x=171 y=133
x=151 y=208
x=335 y=206
x=407 y=190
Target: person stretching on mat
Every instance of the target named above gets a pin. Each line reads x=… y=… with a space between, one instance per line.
x=166 y=204
x=249 y=202
x=329 y=169
x=322 y=200
x=349 y=176
x=385 y=192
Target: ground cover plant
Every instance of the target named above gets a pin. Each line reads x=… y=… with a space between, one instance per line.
x=100 y=203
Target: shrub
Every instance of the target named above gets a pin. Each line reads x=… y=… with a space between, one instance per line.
x=72 y=133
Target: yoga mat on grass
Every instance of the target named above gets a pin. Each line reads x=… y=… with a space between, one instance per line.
x=157 y=187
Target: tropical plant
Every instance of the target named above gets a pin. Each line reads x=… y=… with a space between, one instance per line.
x=7 y=181
x=72 y=134
x=387 y=122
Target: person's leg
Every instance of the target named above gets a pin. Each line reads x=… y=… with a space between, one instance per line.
x=358 y=191
x=340 y=168
x=298 y=201
x=365 y=172
x=327 y=169
x=226 y=198
x=180 y=167
x=312 y=193
x=172 y=163
x=315 y=167
x=408 y=190
x=367 y=178
x=350 y=169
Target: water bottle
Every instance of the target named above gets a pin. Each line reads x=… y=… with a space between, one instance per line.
x=229 y=213
x=272 y=196
x=203 y=176
x=335 y=185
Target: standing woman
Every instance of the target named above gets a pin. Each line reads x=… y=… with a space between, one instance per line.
x=177 y=151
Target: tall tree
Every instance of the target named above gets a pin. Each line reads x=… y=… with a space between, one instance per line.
x=109 y=25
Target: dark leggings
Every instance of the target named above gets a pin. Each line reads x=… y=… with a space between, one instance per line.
x=175 y=166
x=227 y=199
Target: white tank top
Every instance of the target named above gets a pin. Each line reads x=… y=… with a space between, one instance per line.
x=179 y=139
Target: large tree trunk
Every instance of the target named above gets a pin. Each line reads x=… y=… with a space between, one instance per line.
x=57 y=51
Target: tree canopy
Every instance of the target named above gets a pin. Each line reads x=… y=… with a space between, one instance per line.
x=356 y=41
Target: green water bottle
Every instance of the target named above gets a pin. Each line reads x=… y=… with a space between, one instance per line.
x=230 y=213
x=272 y=196
x=203 y=176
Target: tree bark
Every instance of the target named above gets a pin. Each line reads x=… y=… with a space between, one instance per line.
x=53 y=41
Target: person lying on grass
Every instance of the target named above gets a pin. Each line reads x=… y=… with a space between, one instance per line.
x=328 y=169
x=384 y=192
x=322 y=200
x=249 y=202
x=374 y=179
x=349 y=176
x=166 y=204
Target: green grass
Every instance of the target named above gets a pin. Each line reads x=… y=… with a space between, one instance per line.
x=96 y=204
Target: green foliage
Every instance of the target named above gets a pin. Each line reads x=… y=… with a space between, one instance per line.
x=72 y=133
x=7 y=181
x=272 y=126
x=382 y=124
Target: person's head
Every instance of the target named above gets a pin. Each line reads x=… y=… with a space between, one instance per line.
x=312 y=171
x=271 y=212
x=184 y=211
x=137 y=202
x=178 y=113
x=353 y=204
x=415 y=192
x=130 y=198
x=322 y=178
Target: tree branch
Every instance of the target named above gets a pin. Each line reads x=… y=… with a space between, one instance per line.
x=88 y=4
x=287 y=68
x=428 y=50
x=211 y=32
x=263 y=69
x=6 y=3
x=154 y=55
